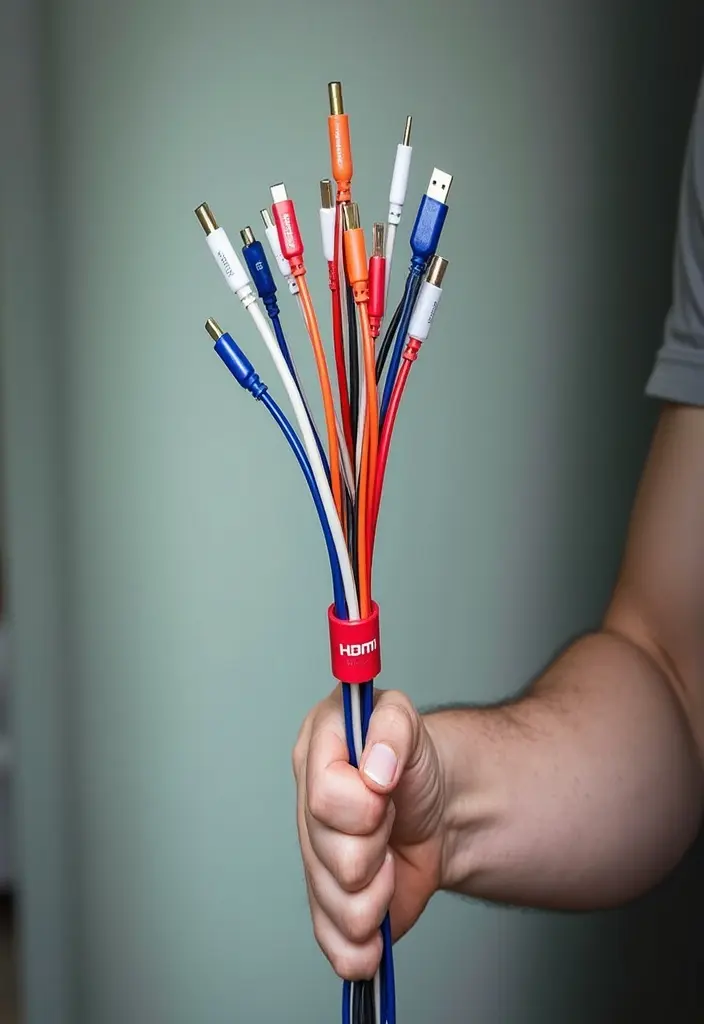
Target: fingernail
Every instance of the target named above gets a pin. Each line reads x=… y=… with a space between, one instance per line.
x=380 y=765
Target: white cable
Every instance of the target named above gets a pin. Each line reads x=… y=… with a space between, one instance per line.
x=357 y=722
x=389 y=255
x=238 y=281
x=377 y=996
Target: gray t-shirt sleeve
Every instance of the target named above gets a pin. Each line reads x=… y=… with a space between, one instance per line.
x=678 y=374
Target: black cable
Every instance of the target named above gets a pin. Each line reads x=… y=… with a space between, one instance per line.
x=353 y=359
x=363 y=1002
x=385 y=347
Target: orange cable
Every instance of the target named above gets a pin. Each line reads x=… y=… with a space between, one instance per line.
x=325 y=387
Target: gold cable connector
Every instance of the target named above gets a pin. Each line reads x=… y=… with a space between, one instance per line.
x=350 y=216
x=247 y=236
x=436 y=271
x=327 y=196
x=337 y=107
x=206 y=218
x=378 y=239
x=407 y=131
x=213 y=328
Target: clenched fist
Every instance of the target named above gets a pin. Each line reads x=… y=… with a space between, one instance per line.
x=371 y=839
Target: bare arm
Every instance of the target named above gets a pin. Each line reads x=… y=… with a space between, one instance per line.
x=590 y=789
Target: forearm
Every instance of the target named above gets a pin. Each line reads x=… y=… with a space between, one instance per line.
x=582 y=794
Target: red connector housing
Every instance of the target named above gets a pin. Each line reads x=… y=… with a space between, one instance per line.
x=377 y=292
x=289 y=234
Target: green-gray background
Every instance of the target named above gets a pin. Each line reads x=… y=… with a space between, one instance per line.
x=166 y=575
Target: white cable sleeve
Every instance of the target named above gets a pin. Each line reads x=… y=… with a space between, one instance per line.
x=425 y=309
x=377 y=997
x=356 y=699
x=399 y=182
x=389 y=255
x=282 y=263
x=308 y=437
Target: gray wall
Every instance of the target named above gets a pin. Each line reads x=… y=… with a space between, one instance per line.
x=156 y=728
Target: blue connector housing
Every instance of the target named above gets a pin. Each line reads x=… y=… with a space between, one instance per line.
x=239 y=366
x=260 y=272
x=427 y=229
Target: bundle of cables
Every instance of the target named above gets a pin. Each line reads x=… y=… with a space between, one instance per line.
x=345 y=471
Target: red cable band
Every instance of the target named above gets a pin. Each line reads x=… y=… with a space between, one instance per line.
x=355 y=647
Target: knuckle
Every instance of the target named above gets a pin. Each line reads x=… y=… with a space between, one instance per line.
x=361 y=920
x=353 y=866
x=356 y=964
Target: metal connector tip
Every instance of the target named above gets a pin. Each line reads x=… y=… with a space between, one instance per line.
x=440 y=185
x=278 y=193
x=247 y=236
x=206 y=218
x=436 y=271
x=327 y=197
x=213 y=328
x=350 y=216
x=379 y=240
x=337 y=107
x=407 y=131
x=266 y=217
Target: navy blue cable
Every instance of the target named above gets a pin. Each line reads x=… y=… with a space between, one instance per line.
x=281 y=341
x=413 y=284
x=298 y=450
x=245 y=375
x=258 y=266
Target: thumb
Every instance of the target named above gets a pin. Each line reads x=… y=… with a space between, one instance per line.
x=395 y=741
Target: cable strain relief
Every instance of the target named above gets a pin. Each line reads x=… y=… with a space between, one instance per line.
x=246 y=296
x=257 y=387
x=417 y=265
x=344 y=192
x=297 y=266
x=292 y=285
x=271 y=306
x=411 y=351
x=360 y=291
x=395 y=214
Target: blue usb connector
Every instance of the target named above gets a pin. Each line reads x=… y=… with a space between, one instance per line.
x=425 y=238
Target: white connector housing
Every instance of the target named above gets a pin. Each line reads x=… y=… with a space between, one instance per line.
x=229 y=262
x=399 y=182
x=284 y=267
x=424 y=311
x=327 y=232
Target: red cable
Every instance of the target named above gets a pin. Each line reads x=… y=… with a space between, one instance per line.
x=409 y=357
x=338 y=339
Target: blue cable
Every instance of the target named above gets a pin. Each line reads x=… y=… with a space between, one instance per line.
x=415 y=277
x=260 y=271
x=245 y=375
x=281 y=341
